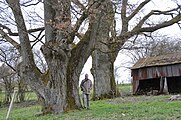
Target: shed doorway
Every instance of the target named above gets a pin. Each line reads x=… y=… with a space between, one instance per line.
x=174 y=85
x=152 y=86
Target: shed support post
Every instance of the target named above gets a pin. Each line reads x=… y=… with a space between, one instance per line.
x=165 y=88
x=161 y=85
x=135 y=86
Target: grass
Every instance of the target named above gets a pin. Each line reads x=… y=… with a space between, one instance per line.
x=125 y=89
x=127 y=108
x=28 y=96
x=1 y=97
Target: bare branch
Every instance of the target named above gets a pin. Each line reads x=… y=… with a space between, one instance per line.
x=123 y=17
x=4 y=60
x=79 y=22
x=16 y=34
x=80 y=5
x=162 y=25
x=139 y=25
x=24 y=4
x=10 y=40
x=138 y=9
x=137 y=29
x=38 y=40
x=36 y=37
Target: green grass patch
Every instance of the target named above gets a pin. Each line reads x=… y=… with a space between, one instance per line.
x=29 y=95
x=1 y=97
x=125 y=89
x=127 y=108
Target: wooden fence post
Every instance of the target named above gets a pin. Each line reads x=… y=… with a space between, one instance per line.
x=10 y=106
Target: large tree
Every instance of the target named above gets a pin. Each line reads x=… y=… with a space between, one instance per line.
x=134 y=21
x=102 y=57
x=65 y=60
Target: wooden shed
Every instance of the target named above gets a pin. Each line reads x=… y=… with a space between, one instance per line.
x=159 y=73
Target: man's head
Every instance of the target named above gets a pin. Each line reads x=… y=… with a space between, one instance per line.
x=86 y=76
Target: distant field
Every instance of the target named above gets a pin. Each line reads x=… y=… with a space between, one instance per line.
x=28 y=96
x=122 y=108
x=125 y=89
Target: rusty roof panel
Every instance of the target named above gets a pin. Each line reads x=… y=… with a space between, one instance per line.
x=168 y=59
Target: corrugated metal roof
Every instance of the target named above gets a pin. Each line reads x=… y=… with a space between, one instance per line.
x=158 y=60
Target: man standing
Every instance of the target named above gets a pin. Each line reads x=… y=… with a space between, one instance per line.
x=86 y=86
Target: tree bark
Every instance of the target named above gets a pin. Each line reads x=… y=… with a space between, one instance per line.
x=102 y=62
x=104 y=81
x=20 y=97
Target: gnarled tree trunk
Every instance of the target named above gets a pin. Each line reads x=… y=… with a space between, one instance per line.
x=65 y=63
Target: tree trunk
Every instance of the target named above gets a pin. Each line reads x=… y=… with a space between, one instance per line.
x=103 y=72
x=20 y=97
x=65 y=64
x=8 y=89
x=64 y=72
x=55 y=99
x=102 y=64
x=1 y=98
x=62 y=95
